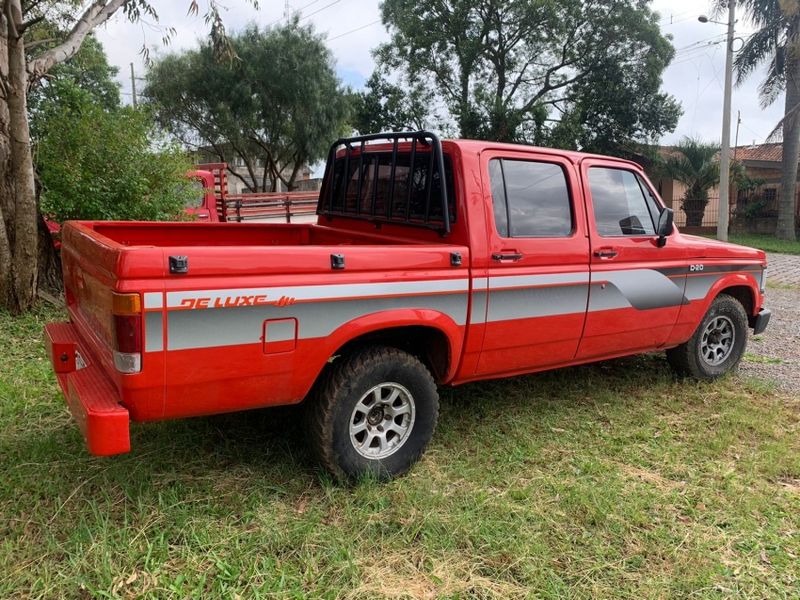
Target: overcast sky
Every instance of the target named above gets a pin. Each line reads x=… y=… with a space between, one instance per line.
x=353 y=28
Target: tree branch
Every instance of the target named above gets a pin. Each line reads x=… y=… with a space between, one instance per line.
x=30 y=23
x=98 y=13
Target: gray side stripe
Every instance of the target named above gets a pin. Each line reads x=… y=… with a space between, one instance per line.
x=319 y=292
x=698 y=287
x=643 y=288
x=153 y=333
x=243 y=325
x=524 y=303
x=512 y=281
x=153 y=300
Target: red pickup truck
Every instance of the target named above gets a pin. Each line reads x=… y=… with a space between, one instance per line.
x=431 y=263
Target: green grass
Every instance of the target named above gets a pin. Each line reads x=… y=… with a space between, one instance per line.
x=612 y=480
x=760 y=358
x=768 y=243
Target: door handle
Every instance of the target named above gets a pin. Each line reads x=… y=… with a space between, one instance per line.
x=605 y=253
x=508 y=256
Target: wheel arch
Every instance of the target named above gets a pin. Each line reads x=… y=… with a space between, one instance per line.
x=743 y=287
x=433 y=337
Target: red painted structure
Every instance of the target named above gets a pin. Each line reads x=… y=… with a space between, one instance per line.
x=218 y=205
x=172 y=320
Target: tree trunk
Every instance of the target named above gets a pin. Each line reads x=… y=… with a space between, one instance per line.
x=23 y=262
x=791 y=139
x=6 y=187
x=694 y=205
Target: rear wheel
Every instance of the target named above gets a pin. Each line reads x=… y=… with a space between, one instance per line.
x=374 y=414
x=717 y=345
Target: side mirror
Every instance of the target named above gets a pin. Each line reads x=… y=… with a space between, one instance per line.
x=664 y=226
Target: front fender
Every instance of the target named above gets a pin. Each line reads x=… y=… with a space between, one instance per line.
x=747 y=280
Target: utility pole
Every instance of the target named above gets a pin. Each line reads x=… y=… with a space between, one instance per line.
x=133 y=86
x=725 y=151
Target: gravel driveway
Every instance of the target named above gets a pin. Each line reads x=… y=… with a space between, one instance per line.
x=775 y=354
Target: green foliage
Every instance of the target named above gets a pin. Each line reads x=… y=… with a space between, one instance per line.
x=385 y=106
x=696 y=165
x=602 y=481
x=278 y=103
x=776 y=23
x=572 y=74
x=89 y=70
x=96 y=163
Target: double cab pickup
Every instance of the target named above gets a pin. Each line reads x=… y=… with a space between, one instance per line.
x=431 y=263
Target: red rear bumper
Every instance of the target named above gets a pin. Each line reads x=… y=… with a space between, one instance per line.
x=92 y=398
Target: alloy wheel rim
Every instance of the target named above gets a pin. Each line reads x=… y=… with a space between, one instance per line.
x=717 y=341
x=382 y=420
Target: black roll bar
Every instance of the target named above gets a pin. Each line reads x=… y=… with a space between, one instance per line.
x=436 y=160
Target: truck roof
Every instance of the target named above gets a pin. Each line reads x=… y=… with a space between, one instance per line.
x=576 y=157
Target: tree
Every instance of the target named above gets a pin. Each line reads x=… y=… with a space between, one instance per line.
x=512 y=70
x=23 y=62
x=278 y=104
x=696 y=165
x=87 y=70
x=776 y=42
x=386 y=106
x=104 y=164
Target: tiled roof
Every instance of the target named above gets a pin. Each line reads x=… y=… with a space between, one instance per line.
x=761 y=152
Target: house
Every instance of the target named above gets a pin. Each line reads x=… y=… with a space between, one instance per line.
x=753 y=209
x=240 y=180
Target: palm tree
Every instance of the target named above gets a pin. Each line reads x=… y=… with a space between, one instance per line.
x=696 y=165
x=776 y=43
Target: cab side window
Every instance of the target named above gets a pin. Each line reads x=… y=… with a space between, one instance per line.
x=530 y=199
x=620 y=205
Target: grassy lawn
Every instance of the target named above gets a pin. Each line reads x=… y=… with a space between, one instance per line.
x=766 y=242
x=604 y=481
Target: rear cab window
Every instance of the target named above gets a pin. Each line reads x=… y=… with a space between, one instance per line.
x=410 y=194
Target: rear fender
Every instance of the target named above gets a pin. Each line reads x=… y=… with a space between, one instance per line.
x=384 y=320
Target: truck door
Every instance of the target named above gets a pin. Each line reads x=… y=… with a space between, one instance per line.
x=537 y=285
x=636 y=287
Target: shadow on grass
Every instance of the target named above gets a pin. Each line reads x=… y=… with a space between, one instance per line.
x=267 y=448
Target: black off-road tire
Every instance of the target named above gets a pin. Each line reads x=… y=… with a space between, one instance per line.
x=330 y=411
x=688 y=360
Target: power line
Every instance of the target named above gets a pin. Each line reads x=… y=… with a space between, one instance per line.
x=672 y=17
x=675 y=22
x=713 y=37
x=336 y=37
x=320 y=10
x=286 y=12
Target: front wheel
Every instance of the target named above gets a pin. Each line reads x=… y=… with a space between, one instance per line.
x=374 y=413
x=717 y=345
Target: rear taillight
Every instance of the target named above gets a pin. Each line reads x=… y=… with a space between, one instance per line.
x=127 y=312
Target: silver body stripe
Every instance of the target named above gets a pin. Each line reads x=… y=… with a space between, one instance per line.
x=512 y=281
x=323 y=292
x=328 y=307
x=641 y=288
x=697 y=287
x=527 y=303
x=153 y=300
x=243 y=325
x=477 y=313
x=153 y=332
x=480 y=283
